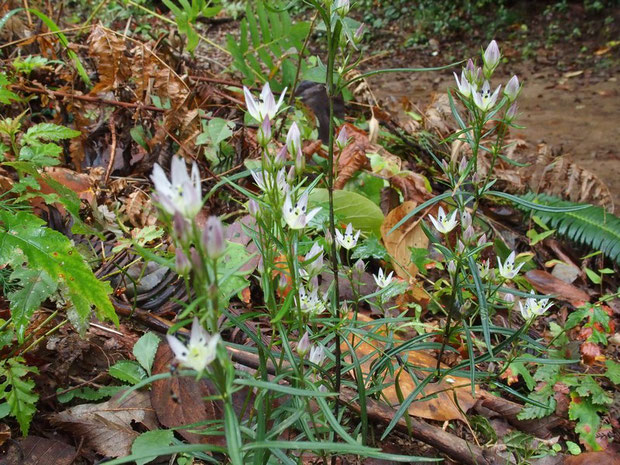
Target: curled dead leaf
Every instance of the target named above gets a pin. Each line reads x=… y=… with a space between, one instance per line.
x=400 y=241
x=453 y=394
x=546 y=283
x=107 y=427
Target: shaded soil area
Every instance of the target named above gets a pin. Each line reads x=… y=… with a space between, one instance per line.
x=578 y=117
x=570 y=99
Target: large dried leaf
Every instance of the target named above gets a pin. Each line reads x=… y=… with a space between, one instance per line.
x=107 y=427
x=412 y=186
x=399 y=242
x=452 y=399
x=546 y=283
x=353 y=157
x=35 y=450
x=108 y=52
x=179 y=401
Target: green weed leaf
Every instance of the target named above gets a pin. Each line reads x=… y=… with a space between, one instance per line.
x=35 y=285
x=127 y=371
x=150 y=440
x=18 y=391
x=144 y=350
x=50 y=251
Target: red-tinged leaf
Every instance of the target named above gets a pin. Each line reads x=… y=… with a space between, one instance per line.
x=590 y=353
x=546 y=283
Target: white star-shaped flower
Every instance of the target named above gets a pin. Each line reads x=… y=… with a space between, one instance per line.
x=266 y=106
x=465 y=88
x=181 y=193
x=266 y=182
x=484 y=99
x=199 y=352
x=296 y=215
x=382 y=280
x=317 y=354
x=310 y=302
x=508 y=270
x=443 y=223
x=534 y=307
x=348 y=240
x=313 y=261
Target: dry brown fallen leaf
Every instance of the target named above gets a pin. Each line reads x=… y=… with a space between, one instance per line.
x=179 y=401
x=453 y=399
x=546 y=283
x=399 y=242
x=610 y=456
x=107 y=427
x=353 y=157
x=35 y=450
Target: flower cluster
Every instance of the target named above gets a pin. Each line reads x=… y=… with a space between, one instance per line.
x=474 y=83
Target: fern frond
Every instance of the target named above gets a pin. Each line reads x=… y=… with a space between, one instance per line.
x=592 y=226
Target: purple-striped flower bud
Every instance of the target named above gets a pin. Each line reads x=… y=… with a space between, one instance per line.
x=280 y=159
x=482 y=240
x=303 y=346
x=213 y=238
x=300 y=163
x=282 y=283
x=342 y=139
x=490 y=58
x=512 y=88
x=180 y=226
x=290 y=176
x=329 y=238
x=263 y=136
x=253 y=208
x=359 y=34
x=463 y=165
x=465 y=220
x=182 y=264
x=512 y=112
x=470 y=70
x=468 y=234
x=293 y=140
x=195 y=258
x=451 y=267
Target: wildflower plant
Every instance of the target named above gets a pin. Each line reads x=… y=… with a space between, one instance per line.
x=474 y=289
x=304 y=254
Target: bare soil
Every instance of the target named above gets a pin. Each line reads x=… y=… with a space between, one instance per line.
x=577 y=116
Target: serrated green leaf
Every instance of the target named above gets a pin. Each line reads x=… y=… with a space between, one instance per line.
x=145 y=349
x=52 y=252
x=41 y=154
x=34 y=287
x=88 y=393
x=5 y=94
x=48 y=131
x=370 y=247
x=588 y=386
x=150 y=440
x=128 y=371
x=520 y=369
x=613 y=371
x=218 y=130
x=18 y=391
x=588 y=421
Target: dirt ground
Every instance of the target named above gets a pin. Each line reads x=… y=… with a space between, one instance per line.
x=577 y=116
